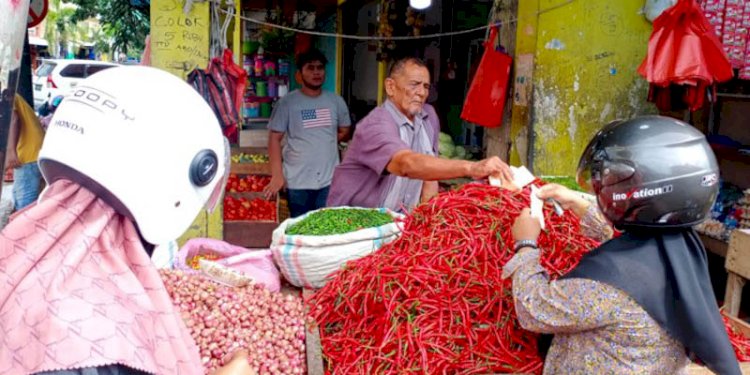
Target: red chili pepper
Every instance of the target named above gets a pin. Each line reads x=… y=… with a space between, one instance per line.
x=433 y=300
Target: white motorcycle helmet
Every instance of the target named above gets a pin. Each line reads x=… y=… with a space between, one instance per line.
x=145 y=142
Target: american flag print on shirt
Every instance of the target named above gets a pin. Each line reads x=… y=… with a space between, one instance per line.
x=315 y=118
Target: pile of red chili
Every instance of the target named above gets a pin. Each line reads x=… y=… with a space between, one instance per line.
x=434 y=301
x=740 y=342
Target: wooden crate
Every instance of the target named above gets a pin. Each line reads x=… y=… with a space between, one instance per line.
x=715 y=246
x=741 y=327
x=738 y=269
x=250 y=234
x=253 y=138
x=249 y=150
x=283 y=211
x=251 y=168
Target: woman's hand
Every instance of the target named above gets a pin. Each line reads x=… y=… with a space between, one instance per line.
x=526 y=227
x=568 y=199
x=237 y=365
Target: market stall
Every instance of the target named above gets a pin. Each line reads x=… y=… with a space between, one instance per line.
x=382 y=291
x=267 y=57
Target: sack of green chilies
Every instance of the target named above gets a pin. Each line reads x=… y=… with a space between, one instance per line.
x=309 y=248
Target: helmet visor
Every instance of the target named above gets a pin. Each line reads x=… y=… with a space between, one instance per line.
x=592 y=158
x=583 y=174
x=218 y=193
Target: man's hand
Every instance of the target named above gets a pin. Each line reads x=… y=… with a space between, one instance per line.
x=237 y=365
x=11 y=160
x=490 y=167
x=273 y=187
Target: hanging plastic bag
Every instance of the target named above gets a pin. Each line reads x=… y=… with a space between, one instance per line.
x=485 y=101
x=237 y=78
x=222 y=85
x=256 y=265
x=164 y=255
x=685 y=58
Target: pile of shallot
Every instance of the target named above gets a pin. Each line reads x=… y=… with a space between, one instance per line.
x=222 y=319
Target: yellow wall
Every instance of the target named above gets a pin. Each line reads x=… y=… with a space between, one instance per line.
x=179 y=43
x=523 y=84
x=585 y=58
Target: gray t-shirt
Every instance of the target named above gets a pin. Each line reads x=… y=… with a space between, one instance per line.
x=310 y=125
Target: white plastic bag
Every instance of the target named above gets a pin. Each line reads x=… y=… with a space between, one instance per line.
x=257 y=265
x=164 y=255
x=307 y=261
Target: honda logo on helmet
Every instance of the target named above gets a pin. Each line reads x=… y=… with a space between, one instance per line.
x=643 y=193
x=98 y=100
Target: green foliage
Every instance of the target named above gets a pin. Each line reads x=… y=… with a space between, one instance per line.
x=127 y=25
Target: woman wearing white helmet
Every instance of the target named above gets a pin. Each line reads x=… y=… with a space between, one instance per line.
x=80 y=294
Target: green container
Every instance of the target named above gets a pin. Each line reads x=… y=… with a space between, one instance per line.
x=265 y=110
x=261 y=89
x=249 y=47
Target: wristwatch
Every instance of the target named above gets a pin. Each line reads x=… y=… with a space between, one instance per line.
x=524 y=243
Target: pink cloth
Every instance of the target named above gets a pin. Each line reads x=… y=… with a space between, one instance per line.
x=78 y=290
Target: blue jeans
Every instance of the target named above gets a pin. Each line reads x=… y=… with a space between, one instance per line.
x=303 y=201
x=27 y=181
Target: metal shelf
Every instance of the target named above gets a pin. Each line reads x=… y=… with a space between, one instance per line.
x=730 y=153
x=257 y=119
x=733 y=96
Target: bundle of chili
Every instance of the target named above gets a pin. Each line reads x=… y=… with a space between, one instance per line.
x=433 y=301
x=339 y=221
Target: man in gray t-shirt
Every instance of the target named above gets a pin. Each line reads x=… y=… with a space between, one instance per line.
x=312 y=122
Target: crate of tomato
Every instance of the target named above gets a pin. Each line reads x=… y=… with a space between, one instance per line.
x=249 y=218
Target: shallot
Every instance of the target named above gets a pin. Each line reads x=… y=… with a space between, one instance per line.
x=222 y=319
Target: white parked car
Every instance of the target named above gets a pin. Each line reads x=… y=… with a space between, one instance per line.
x=57 y=76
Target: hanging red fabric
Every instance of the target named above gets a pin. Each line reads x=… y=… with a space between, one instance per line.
x=487 y=94
x=685 y=58
x=238 y=78
x=222 y=85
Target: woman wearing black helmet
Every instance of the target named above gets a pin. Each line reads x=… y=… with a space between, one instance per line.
x=642 y=302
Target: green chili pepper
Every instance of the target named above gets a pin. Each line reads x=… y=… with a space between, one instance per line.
x=339 y=221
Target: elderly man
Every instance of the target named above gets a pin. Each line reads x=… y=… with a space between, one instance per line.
x=392 y=160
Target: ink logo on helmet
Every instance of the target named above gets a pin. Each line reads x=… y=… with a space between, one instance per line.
x=643 y=193
x=98 y=100
x=709 y=180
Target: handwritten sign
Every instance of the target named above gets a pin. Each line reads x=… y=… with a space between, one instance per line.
x=179 y=42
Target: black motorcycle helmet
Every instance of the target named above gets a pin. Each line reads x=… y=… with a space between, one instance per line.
x=650 y=171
